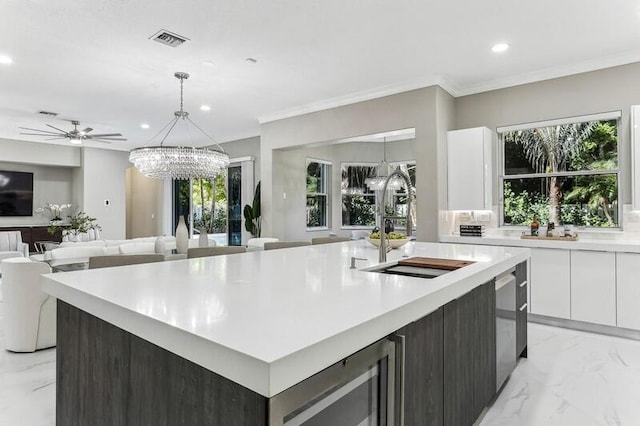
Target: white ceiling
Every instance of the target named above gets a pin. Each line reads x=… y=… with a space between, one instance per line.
x=94 y=62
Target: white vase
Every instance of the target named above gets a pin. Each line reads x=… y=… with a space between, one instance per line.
x=160 y=246
x=182 y=237
x=203 y=239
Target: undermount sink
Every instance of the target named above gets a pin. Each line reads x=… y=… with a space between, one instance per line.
x=411 y=271
x=421 y=267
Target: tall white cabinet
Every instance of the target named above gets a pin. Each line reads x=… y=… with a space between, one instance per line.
x=635 y=156
x=469 y=169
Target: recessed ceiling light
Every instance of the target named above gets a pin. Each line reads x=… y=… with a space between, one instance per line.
x=4 y=59
x=144 y=125
x=205 y=108
x=500 y=47
x=209 y=63
x=252 y=60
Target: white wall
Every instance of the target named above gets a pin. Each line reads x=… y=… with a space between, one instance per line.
x=14 y=151
x=293 y=165
x=50 y=185
x=249 y=147
x=144 y=205
x=611 y=89
x=103 y=178
x=423 y=109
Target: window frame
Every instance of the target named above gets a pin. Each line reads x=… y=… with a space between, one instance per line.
x=502 y=176
x=376 y=194
x=342 y=195
x=327 y=165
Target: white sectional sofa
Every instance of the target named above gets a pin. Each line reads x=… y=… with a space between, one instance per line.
x=71 y=251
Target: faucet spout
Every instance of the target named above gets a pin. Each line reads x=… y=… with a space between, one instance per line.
x=382 y=250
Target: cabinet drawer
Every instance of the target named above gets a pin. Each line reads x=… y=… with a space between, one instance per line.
x=521 y=292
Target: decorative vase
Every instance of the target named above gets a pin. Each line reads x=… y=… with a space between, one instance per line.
x=160 y=246
x=182 y=237
x=203 y=239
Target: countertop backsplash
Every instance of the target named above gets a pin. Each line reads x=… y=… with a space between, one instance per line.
x=450 y=221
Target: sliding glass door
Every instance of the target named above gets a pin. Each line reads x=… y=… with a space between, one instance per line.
x=211 y=206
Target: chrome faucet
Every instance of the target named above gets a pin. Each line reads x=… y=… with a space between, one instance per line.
x=382 y=251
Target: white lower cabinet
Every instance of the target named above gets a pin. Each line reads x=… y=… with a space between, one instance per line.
x=628 y=279
x=550 y=283
x=593 y=286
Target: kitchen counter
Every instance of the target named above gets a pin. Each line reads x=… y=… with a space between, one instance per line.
x=610 y=245
x=267 y=320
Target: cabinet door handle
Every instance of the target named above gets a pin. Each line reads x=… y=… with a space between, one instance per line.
x=523 y=283
x=400 y=342
x=522 y=308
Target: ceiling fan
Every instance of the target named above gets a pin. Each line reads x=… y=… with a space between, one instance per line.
x=75 y=136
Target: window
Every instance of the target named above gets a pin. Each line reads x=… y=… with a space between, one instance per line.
x=203 y=203
x=358 y=201
x=318 y=175
x=563 y=172
x=400 y=196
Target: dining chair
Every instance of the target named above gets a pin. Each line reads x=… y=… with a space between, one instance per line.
x=328 y=240
x=96 y=262
x=285 y=244
x=214 y=251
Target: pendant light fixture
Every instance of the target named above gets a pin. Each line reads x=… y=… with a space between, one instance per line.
x=179 y=162
x=383 y=170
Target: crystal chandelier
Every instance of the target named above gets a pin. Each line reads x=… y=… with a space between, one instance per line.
x=179 y=162
x=382 y=172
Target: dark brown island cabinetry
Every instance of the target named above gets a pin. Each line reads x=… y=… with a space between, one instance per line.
x=107 y=376
x=521 y=310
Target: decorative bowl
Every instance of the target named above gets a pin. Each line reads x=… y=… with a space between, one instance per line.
x=394 y=244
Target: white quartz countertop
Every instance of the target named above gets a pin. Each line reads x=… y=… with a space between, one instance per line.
x=600 y=244
x=270 y=319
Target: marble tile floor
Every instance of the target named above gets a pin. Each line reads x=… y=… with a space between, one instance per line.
x=571 y=378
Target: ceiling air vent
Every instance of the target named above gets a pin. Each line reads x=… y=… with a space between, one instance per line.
x=48 y=113
x=168 y=38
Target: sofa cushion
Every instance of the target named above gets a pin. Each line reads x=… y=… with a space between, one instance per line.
x=142 y=247
x=82 y=252
x=95 y=243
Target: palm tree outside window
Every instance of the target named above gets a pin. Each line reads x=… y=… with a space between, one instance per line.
x=563 y=172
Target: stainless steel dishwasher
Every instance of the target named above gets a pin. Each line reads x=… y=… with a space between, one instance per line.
x=505 y=326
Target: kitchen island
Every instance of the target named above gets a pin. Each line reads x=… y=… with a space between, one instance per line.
x=222 y=336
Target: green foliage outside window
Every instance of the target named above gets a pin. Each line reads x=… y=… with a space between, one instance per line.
x=562 y=174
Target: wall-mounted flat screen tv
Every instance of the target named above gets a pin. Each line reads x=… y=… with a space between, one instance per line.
x=16 y=194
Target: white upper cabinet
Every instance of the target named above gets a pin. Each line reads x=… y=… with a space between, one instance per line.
x=469 y=169
x=635 y=156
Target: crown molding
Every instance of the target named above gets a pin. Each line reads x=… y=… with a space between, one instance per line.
x=550 y=73
x=351 y=98
x=452 y=87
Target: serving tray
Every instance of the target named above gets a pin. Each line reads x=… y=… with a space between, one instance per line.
x=432 y=262
x=531 y=237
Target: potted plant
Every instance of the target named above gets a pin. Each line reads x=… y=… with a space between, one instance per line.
x=79 y=223
x=252 y=214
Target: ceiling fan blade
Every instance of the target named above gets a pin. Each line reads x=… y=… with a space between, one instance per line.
x=60 y=130
x=41 y=134
x=53 y=139
x=38 y=130
x=99 y=140
x=101 y=135
x=87 y=130
x=107 y=139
